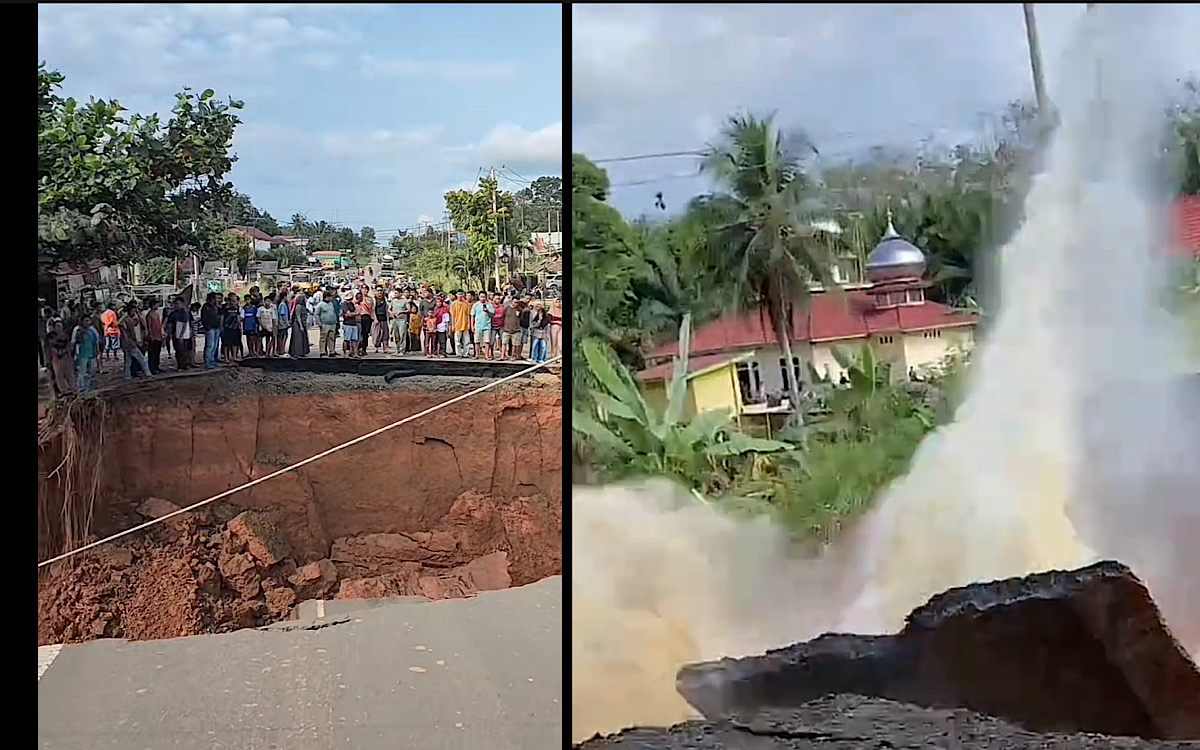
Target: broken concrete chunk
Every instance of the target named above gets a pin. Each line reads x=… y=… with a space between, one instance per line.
x=240 y=574
x=156 y=507
x=487 y=573
x=1074 y=652
x=315 y=580
x=852 y=722
x=260 y=537
x=280 y=599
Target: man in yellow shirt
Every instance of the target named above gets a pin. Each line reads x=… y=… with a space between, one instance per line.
x=460 y=320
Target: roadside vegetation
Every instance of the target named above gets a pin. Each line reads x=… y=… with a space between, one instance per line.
x=757 y=242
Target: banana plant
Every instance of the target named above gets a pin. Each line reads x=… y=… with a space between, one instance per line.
x=630 y=437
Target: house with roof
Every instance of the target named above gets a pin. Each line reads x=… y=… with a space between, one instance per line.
x=736 y=363
x=263 y=242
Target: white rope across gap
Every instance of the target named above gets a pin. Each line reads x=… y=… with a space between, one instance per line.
x=298 y=464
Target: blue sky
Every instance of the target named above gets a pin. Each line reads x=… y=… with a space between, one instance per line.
x=359 y=114
x=654 y=78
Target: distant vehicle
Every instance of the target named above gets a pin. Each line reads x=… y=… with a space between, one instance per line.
x=554 y=283
x=301 y=279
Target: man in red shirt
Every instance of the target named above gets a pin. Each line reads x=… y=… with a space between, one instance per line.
x=497 y=325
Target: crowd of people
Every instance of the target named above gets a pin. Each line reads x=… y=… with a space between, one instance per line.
x=77 y=343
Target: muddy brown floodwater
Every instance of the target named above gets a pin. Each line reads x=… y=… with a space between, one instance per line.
x=466 y=499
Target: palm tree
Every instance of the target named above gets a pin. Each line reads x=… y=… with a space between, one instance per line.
x=765 y=240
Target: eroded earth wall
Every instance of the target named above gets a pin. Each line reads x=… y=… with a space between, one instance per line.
x=188 y=441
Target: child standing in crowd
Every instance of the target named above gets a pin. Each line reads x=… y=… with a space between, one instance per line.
x=414 y=328
x=266 y=325
x=350 y=328
x=250 y=325
x=431 y=326
x=539 y=324
x=442 y=313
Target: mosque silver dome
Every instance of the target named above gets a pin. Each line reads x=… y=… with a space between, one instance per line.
x=895 y=258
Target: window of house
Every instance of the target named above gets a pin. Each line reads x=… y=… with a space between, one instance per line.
x=916 y=296
x=886 y=340
x=934 y=334
x=750 y=382
x=783 y=371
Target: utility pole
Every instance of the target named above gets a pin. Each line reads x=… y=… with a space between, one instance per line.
x=496 y=223
x=1035 y=58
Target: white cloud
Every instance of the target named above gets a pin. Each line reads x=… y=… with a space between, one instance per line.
x=449 y=71
x=159 y=48
x=321 y=60
x=369 y=146
x=512 y=144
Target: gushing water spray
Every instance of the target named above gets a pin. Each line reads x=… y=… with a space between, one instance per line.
x=1076 y=425
x=1077 y=440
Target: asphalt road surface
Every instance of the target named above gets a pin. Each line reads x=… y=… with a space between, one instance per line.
x=484 y=672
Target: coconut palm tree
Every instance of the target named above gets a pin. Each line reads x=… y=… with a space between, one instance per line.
x=764 y=237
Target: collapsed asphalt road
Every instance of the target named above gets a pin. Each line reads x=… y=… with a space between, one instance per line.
x=478 y=672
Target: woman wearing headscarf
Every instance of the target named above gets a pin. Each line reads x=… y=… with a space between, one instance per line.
x=381 y=322
x=299 y=345
x=62 y=363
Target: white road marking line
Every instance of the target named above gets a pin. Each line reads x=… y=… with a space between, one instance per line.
x=46 y=656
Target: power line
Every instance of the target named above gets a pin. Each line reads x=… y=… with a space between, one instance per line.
x=652 y=180
x=639 y=157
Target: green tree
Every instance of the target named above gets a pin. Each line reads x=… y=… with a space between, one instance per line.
x=602 y=248
x=768 y=244
x=119 y=187
x=239 y=211
x=538 y=208
x=1183 y=142
x=234 y=247
x=631 y=438
x=485 y=216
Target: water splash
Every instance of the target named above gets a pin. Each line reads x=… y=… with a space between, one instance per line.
x=1075 y=426
x=1076 y=441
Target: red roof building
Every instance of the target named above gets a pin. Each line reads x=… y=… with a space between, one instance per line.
x=1185 y=220
x=891 y=315
x=259 y=235
x=830 y=318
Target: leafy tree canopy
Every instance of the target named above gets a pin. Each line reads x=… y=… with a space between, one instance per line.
x=122 y=187
x=538 y=208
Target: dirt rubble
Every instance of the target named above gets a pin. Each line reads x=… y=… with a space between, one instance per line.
x=201 y=573
x=465 y=500
x=1061 y=659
